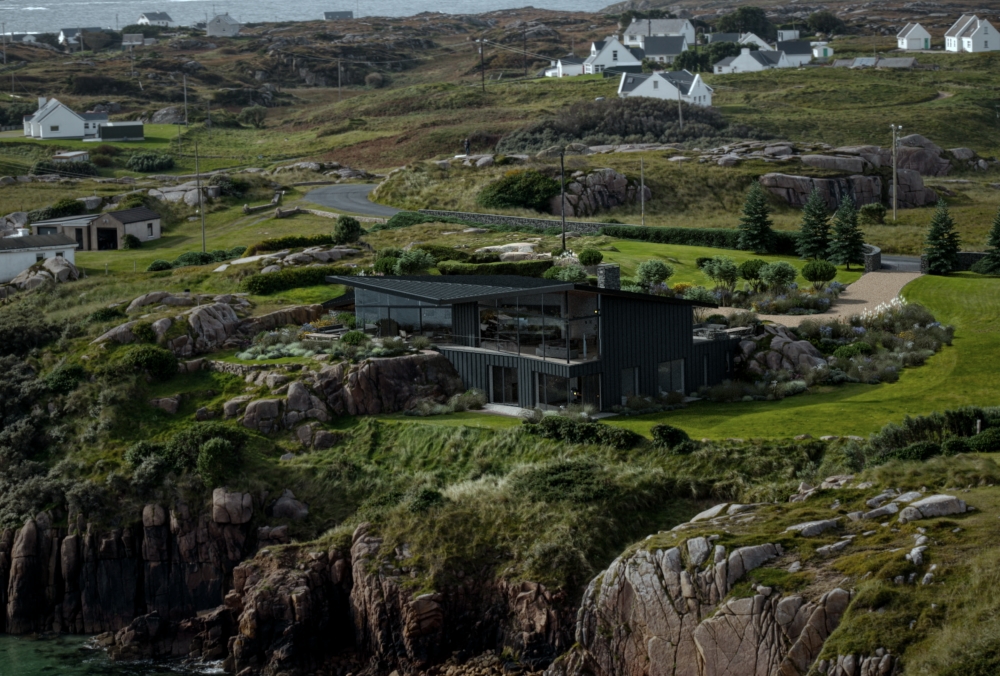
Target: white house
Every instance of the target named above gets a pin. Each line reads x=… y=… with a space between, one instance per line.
x=785 y=35
x=686 y=86
x=56 y=120
x=338 y=16
x=722 y=37
x=640 y=29
x=70 y=37
x=568 y=66
x=821 y=50
x=612 y=55
x=71 y=156
x=17 y=254
x=798 y=52
x=156 y=19
x=223 y=26
x=754 y=39
x=913 y=36
x=752 y=61
x=133 y=40
x=972 y=34
x=665 y=49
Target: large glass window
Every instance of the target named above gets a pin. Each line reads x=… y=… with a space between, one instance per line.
x=503 y=385
x=390 y=314
x=559 y=326
x=630 y=383
x=552 y=392
x=671 y=376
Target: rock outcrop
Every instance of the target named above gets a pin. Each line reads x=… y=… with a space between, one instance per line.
x=600 y=190
x=778 y=349
x=388 y=385
x=796 y=189
x=56 y=269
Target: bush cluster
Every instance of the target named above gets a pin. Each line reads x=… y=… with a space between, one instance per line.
x=289 y=242
x=291 y=278
x=106 y=314
x=130 y=241
x=23 y=327
x=64 y=207
x=561 y=428
x=519 y=189
x=196 y=258
x=149 y=162
x=43 y=167
x=924 y=436
x=215 y=449
x=522 y=268
x=784 y=242
x=159 y=363
x=668 y=436
x=231 y=186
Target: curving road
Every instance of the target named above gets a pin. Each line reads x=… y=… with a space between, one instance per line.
x=351 y=198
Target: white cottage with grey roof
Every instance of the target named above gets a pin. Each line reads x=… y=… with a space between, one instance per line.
x=971 y=34
x=640 y=29
x=665 y=49
x=797 y=52
x=55 y=120
x=912 y=37
x=748 y=61
x=671 y=86
x=161 y=19
x=612 y=55
x=223 y=26
x=17 y=254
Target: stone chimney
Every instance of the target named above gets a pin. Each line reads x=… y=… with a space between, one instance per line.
x=609 y=277
x=41 y=102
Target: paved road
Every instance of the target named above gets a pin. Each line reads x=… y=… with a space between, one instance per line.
x=351 y=198
x=901 y=263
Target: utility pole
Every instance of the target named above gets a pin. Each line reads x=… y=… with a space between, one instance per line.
x=562 y=191
x=185 y=101
x=482 y=62
x=642 y=190
x=5 y=44
x=208 y=119
x=338 y=80
x=524 y=49
x=201 y=203
x=896 y=129
x=680 y=113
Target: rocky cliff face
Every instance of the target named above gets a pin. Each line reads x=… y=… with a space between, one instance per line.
x=84 y=580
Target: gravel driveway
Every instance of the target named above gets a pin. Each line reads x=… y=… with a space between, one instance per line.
x=867 y=293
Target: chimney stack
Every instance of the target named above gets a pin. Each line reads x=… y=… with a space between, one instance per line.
x=41 y=102
x=609 y=277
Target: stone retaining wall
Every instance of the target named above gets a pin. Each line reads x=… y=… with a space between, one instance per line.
x=873 y=259
x=496 y=219
x=966 y=259
x=243 y=370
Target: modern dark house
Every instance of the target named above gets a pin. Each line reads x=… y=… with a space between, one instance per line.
x=534 y=342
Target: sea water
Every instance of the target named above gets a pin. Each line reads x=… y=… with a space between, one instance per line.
x=49 y=16
x=76 y=656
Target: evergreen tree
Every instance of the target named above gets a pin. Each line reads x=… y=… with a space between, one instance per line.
x=814 y=236
x=942 y=242
x=755 y=224
x=848 y=242
x=993 y=241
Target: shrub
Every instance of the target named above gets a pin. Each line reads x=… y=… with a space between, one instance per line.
x=425 y=498
x=149 y=162
x=473 y=400
x=986 y=266
x=386 y=266
x=653 y=272
x=139 y=451
x=143 y=332
x=783 y=242
x=130 y=241
x=522 y=189
x=440 y=252
x=919 y=451
x=346 y=230
x=290 y=242
x=819 y=273
x=872 y=214
x=700 y=261
x=414 y=262
x=159 y=265
x=522 y=268
x=567 y=273
x=389 y=252
x=291 y=278
x=579 y=480
x=700 y=294
x=668 y=436
x=231 y=186
x=354 y=338
x=253 y=116
x=160 y=364
x=853 y=350
x=374 y=80
x=216 y=459
x=565 y=429
x=64 y=207
x=64 y=379
x=193 y=258
x=778 y=275
x=987 y=441
x=484 y=257
x=956 y=446
x=183 y=450
x=749 y=270
x=590 y=257
x=723 y=271
x=106 y=314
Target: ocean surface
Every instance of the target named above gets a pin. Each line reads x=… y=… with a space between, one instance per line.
x=49 y=16
x=71 y=656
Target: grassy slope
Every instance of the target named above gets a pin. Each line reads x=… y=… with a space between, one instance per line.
x=959 y=375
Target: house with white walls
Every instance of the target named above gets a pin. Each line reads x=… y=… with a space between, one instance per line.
x=567 y=66
x=17 y=254
x=70 y=37
x=821 y=50
x=748 y=61
x=670 y=86
x=223 y=26
x=612 y=55
x=640 y=29
x=665 y=49
x=913 y=36
x=161 y=19
x=788 y=34
x=748 y=39
x=55 y=120
x=798 y=52
x=972 y=34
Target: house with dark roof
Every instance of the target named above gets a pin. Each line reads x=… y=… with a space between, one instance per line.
x=971 y=34
x=612 y=56
x=17 y=254
x=797 y=52
x=751 y=61
x=671 y=86
x=70 y=37
x=532 y=342
x=105 y=232
x=665 y=49
x=641 y=30
x=338 y=16
x=161 y=19
x=723 y=37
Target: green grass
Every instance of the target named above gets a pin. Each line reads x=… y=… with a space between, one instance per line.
x=465 y=419
x=960 y=375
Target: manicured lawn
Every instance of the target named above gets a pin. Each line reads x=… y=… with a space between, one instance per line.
x=465 y=419
x=964 y=374
x=682 y=258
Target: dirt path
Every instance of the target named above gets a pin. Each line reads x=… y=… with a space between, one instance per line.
x=867 y=293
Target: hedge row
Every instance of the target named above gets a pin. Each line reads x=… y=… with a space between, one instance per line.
x=288 y=242
x=717 y=238
x=520 y=268
x=406 y=219
x=291 y=278
x=565 y=429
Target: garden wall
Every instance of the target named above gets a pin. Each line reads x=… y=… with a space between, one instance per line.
x=966 y=259
x=873 y=259
x=514 y=221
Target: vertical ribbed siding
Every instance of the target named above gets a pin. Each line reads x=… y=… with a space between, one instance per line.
x=465 y=323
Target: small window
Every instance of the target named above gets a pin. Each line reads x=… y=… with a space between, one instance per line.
x=656 y=85
x=39 y=258
x=54 y=127
x=614 y=55
x=86 y=125
x=149 y=229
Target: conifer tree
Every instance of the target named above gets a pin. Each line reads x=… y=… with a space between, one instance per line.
x=942 y=242
x=814 y=235
x=755 y=232
x=993 y=241
x=848 y=242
